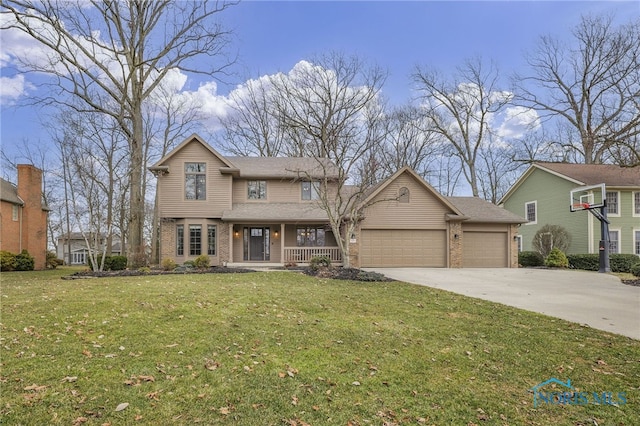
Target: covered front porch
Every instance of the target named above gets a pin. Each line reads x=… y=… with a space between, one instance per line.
x=281 y=244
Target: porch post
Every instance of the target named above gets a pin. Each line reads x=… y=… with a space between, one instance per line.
x=282 y=259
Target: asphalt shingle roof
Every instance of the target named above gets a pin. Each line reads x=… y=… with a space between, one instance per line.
x=9 y=192
x=284 y=167
x=479 y=210
x=593 y=174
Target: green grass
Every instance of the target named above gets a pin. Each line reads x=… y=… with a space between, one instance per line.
x=283 y=348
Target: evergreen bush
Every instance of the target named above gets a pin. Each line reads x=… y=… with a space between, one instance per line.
x=635 y=269
x=556 y=259
x=202 y=261
x=7 y=261
x=319 y=261
x=24 y=261
x=530 y=259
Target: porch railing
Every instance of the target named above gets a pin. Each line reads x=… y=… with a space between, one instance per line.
x=304 y=254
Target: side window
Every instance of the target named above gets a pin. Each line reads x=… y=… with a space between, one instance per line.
x=211 y=240
x=531 y=212
x=614 y=241
x=636 y=203
x=256 y=190
x=15 y=213
x=613 y=202
x=195 y=181
x=180 y=240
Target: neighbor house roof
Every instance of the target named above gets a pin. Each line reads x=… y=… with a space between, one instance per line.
x=276 y=212
x=479 y=210
x=285 y=167
x=593 y=174
x=9 y=192
x=583 y=175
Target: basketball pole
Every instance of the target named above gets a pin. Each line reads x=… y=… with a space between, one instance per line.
x=604 y=241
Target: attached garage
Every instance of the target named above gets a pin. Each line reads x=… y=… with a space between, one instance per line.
x=485 y=249
x=403 y=248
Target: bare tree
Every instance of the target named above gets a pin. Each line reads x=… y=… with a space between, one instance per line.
x=250 y=127
x=460 y=108
x=592 y=86
x=111 y=56
x=329 y=108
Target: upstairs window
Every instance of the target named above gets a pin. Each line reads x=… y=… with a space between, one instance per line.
x=310 y=190
x=195 y=181
x=612 y=202
x=636 y=203
x=403 y=195
x=257 y=190
x=531 y=212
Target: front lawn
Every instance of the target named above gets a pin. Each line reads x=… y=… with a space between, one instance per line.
x=283 y=348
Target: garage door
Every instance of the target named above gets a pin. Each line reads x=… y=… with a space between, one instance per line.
x=402 y=247
x=484 y=250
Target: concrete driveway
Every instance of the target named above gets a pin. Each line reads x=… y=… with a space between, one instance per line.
x=598 y=300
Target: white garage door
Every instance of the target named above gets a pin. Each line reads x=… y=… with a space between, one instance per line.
x=484 y=250
x=403 y=248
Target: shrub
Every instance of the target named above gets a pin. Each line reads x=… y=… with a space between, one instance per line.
x=168 y=264
x=549 y=237
x=530 y=258
x=189 y=264
x=587 y=262
x=52 y=261
x=202 y=261
x=24 y=261
x=622 y=262
x=118 y=263
x=556 y=259
x=635 y=269
x=144 y=270
x=371 y=276
x=7 y=261
x=319 y=261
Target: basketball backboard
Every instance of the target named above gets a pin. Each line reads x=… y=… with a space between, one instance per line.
x=587 y=197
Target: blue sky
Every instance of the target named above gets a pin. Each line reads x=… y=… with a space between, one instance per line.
x=273 y=36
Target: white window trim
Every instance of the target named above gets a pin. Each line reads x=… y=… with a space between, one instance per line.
x=633 y=206
x=619 y=232
x=619 y=205
x=535 y=203
x=15 y=212
x=633 y=247
x=519 y=243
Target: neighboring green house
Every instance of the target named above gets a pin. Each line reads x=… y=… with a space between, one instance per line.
x=541 y=195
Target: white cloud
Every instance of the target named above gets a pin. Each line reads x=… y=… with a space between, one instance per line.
x=12 y=88
x=517 y=121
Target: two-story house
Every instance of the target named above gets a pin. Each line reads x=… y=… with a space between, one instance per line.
x=266 y=210
x=23 y=215
x=541 y=195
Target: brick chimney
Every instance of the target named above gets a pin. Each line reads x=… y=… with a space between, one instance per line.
x=34 y=216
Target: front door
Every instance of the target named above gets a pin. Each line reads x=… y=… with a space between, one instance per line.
x=257 y=247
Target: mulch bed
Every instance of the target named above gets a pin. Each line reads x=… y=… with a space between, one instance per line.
x=339 y=273
x=635 y=282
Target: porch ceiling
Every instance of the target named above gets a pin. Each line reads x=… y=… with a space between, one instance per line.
x=275 y=212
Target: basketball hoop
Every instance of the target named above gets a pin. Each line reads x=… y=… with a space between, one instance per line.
x=581 y=206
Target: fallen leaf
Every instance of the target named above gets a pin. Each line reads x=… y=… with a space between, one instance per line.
x=87 y=353
x=137 y=418
x=147 y=378
x=224 y=410
x=294 y=400
x=601 y=362
x=70 y=379
x=210 y=364
x=356 y=383
x=79 y=421
x=35 y=387
x=122 y=406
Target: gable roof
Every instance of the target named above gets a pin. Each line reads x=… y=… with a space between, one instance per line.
x=479 y=210
x=9 y=192
x=582 y=175
x=160 y=164
x=377 y=189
